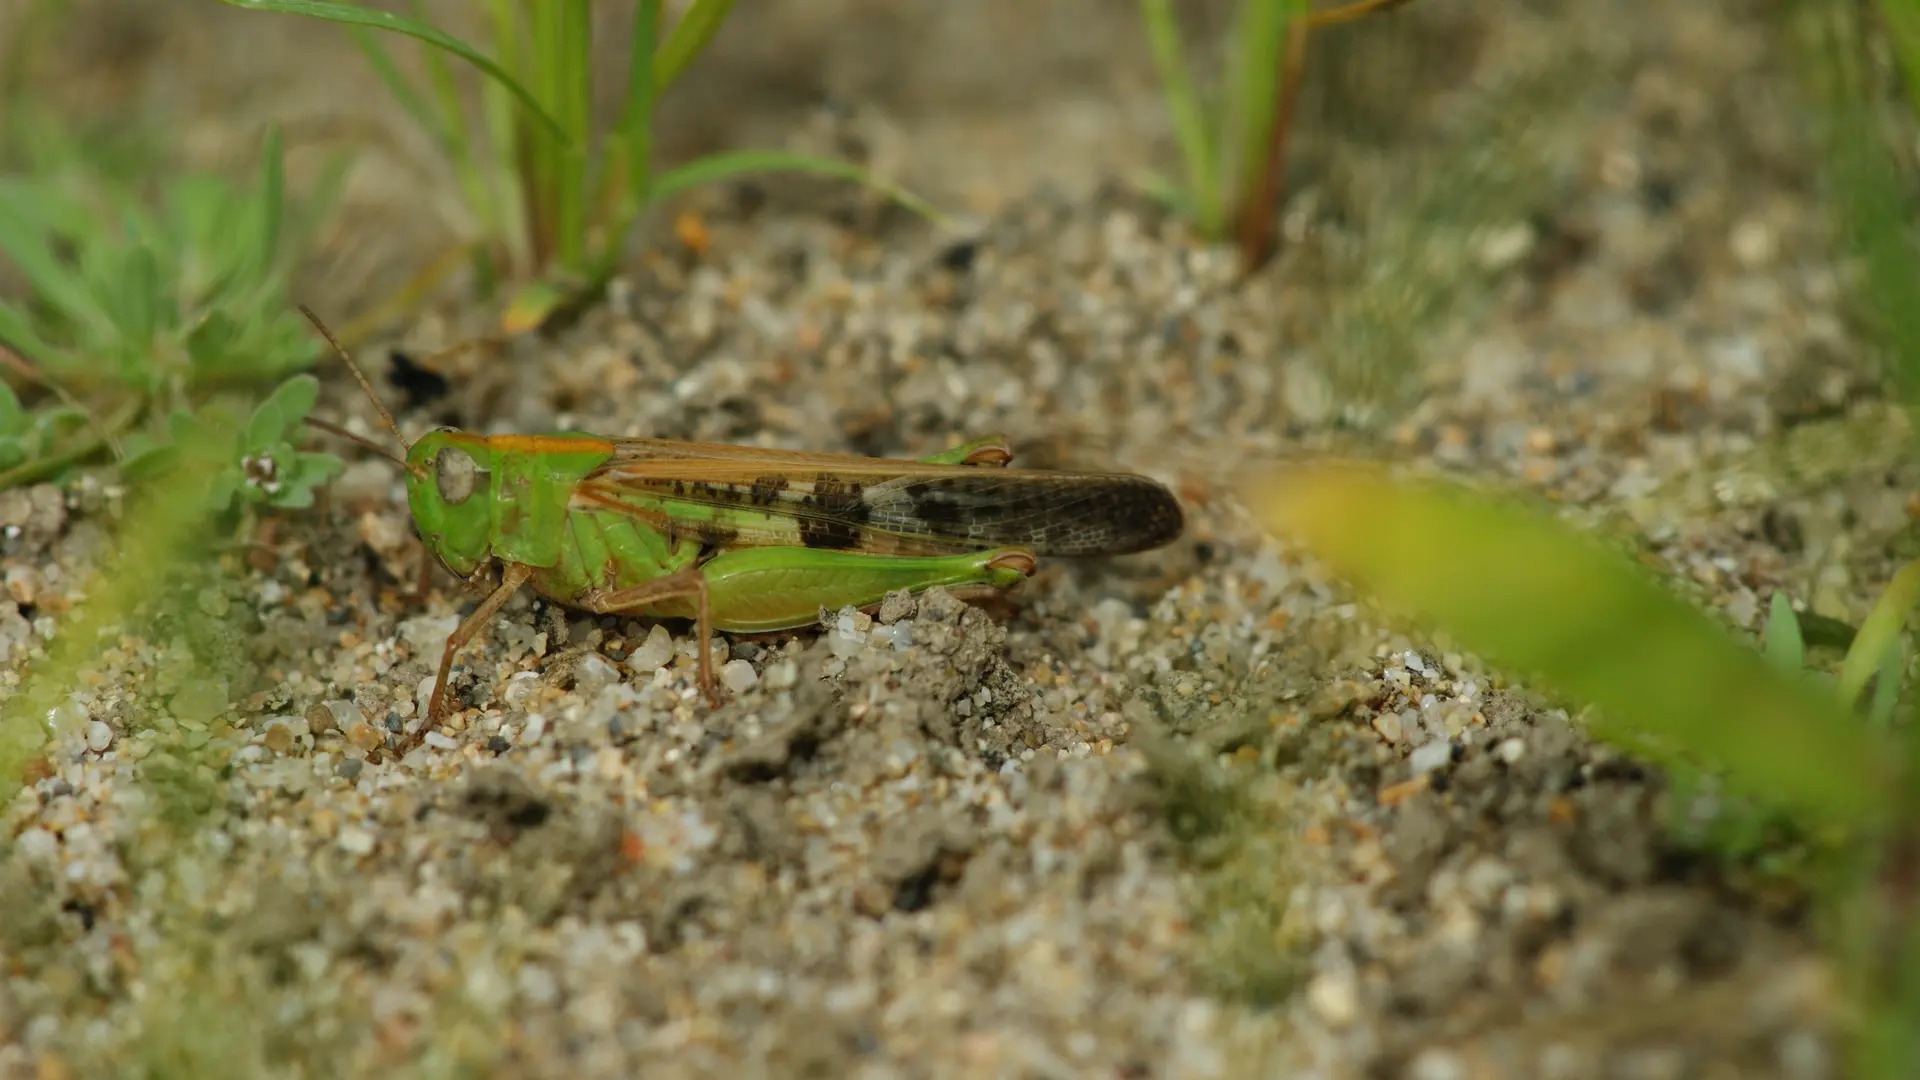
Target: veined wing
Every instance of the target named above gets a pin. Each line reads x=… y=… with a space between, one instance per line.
x=742 y=496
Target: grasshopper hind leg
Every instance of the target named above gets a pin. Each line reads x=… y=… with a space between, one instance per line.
x=756 y=590
x=687 y=584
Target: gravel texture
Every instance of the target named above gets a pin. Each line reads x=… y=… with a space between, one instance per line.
x=1195 y=813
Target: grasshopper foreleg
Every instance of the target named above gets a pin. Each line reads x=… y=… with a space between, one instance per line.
x=689 y=582
x=514 y=576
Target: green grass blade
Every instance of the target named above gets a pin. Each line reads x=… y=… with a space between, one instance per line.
x=1886 y=691
x=1786 y=651
x=568 y=77
x=1902 y=21
x=725 y=166
x=1537 y=597
x=436 y=123
x=510 y=183
x=626 y=176
x=1259 y=41
x=1198 y=154
x=1882 y=629
x=354 y=15
x=688 y=39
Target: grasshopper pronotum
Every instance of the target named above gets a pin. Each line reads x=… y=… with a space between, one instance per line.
x=738 y=538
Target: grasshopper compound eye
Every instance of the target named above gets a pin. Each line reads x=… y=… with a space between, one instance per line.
x=454 y=473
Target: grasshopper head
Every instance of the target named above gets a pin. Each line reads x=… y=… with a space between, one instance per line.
x=449 y=487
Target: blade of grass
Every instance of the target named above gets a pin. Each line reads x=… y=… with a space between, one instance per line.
x=505 y=142
x=725 y=166
x=1190 y=130
x=688 y=39
x=1785 y=649
x=1256 y=217
x=1881 y=630
x=1902 y=20
x=627 y=169
x=354 y=15
x=1254 y=80
x=572 y=84
x=436 y=122
x=1536 y=596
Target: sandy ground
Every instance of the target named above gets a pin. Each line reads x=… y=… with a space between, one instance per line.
x=1186 y=814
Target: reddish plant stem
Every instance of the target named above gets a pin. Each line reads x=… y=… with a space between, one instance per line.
x=1257 y=215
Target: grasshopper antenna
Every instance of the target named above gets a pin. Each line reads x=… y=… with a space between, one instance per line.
x=364 y=443
x=361 y=379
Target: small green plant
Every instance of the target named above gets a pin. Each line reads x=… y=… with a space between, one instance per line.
x=254 y=463
x=554 y=200
x=1232 y=148
x=136 y=321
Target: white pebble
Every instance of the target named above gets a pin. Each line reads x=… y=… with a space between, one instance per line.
x=441 y=742
x=1437 y=1065
x=355 y=841
x=594 y=674
x=1334 y=996
x=536 y=726
x=846 y=638
x=427 y=634
x=653 y=654
x=1431 y=756
x=99 y=736
x=782 y=675
x=37 y=846
x=1512 y=750
x=521 y=688
x=738 y=676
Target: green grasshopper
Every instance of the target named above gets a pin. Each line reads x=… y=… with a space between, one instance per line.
x=742 y=539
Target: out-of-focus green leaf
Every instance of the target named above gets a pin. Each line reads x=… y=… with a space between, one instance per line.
x=284 y=408
x=1531 y=594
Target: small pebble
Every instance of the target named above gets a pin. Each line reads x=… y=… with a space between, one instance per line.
x=337 y=715
x=1387 y=725
x=783 y=675
x=355 y=841
x=99 y=736
x=738 y=676
x=1512 y=750
x=23 y=582
x=441 y=742
x=37 y=846
x=1437 y=1065
x=1431 y=756
x=1334 y=996
x=653 y=654
x=593 y=674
